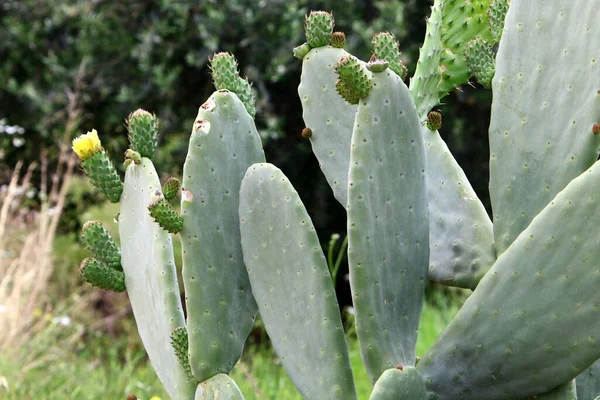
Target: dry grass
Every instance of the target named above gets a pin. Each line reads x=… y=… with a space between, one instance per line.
x=26 y=239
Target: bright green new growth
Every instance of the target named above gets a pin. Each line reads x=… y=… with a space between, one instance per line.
x=97 y=240
x=353 y=83
x=377 y=65
x=319 y=28
x=496 y=15
x=226 y=76
x=101 y=275
x=103 y=175
x=462 y=21
x=385 y=47
x=224 y=72
x=171 y=188
x=479 y=57
x=179 y=341
x=142 y=130
x=164 y=214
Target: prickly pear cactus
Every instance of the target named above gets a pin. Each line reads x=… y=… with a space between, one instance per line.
x=528 y=329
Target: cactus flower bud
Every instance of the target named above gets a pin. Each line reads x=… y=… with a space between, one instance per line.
x=97 y=166
x=87 y=145
x=306 y=133
x=338 y=40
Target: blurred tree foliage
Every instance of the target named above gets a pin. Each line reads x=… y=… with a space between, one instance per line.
x=98 y=60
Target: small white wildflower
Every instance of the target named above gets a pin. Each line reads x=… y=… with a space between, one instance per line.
x=18 y=142
x=63 y=320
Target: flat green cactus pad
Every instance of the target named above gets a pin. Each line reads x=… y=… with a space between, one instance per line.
x=151 y=277
x=292 y=286
x=588 y=383
x=535 y=314
x=424 y=85
x=566 y=391
x=219 y=387
x=388 y=232
x=328 y=115
x=221 y=309
x=399 y=384
x=461 y=235
x=546 y=100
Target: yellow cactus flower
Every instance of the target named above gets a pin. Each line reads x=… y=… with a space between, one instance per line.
x=87 y=145
x=154 y=398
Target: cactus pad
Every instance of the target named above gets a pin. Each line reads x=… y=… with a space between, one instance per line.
x=97 y=240
x=223 y=144
x=402 y=383
x=546 y=97
x=292 y=286
x=319 y=28
x=101 y=275
x=103 y=175
x=171 y=188
x=151 y=277
x=180 y=343
x=218 y=387
x=164 y=214
x=355 y=80
x=388 y=232
x=329 y=117
x=534 y=314
x=142 y=130
x=385 y=47
x=479 y=57
x=496 y=15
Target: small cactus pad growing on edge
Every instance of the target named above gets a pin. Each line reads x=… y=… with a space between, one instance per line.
x=385 y=47
x=101 y=275
x=434 y=120
x=319 y=28
x=180 y=343
x=171 y=188
x=97 y=166
x=165 y=215
x=377 y=65
x=226 y=76
x=354 y=82
x=224 y=72
x=399 y=383
x=338 y=40
x=496 y=15
x=479 y=56
x=143 y=132
x=97 y=239
x=301 y=51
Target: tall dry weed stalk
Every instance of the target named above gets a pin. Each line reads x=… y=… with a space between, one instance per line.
x=26 y=246
x=27 y=237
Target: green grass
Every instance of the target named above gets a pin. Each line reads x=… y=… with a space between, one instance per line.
x=84 y=361
x=104 y=367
